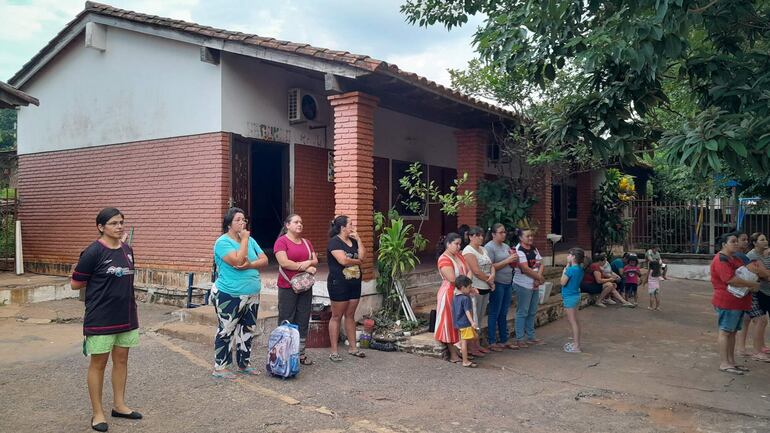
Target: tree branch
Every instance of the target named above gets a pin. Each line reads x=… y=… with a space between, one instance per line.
x=702 y=9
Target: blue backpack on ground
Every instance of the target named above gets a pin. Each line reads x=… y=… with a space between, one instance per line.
x=283 y=351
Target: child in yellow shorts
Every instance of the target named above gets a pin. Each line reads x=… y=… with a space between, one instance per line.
x=462 y=313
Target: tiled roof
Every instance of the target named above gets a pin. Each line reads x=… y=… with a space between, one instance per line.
x=362 y=62
x=16 y=94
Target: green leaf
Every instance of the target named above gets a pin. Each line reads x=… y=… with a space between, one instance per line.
x=739 y=148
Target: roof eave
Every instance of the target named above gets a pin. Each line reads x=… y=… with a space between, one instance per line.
x=447 y=93
x=11 y=97
x=76 y=26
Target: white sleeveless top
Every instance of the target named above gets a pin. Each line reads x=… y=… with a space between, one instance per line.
x=485 y=264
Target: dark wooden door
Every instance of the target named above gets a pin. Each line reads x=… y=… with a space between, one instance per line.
x=240 y=161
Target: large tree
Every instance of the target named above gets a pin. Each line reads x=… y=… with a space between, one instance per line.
x=691 y=76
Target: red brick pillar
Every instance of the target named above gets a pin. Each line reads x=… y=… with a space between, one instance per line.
x=471 y=159
x=541 y=214
x=585 y=195
x=354 y=166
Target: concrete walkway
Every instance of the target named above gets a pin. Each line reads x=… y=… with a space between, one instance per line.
x=642 y=371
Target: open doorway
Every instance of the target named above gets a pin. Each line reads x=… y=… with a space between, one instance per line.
x=260 y=186
x=269 y=191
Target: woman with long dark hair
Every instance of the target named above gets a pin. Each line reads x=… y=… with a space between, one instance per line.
x=451 y=264
x=483 y=272
x=760 y=303
x=526 y=283
x=295 y=255
x=236 y=300
x=110 y=325
x=345 y=253
x=504 y=260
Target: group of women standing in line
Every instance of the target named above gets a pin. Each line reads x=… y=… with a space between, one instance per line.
x=236 y=254
x=496 y=270
x=110 y=326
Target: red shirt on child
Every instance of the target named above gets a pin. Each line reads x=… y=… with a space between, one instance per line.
x=631 y=274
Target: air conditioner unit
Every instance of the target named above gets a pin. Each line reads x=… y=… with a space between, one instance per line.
x=302 y=106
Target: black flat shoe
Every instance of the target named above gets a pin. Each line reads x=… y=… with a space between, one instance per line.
x=102 y=426
x=132 y=415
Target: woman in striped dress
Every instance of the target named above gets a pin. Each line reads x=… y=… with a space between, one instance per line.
x=450 y=265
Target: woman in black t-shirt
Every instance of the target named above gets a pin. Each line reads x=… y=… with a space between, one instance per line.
x=345 y=253
x=110 y=325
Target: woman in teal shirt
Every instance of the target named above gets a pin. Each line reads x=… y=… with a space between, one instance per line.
x=236 y=298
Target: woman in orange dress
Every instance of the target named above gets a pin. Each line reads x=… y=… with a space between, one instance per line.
x=451 y=264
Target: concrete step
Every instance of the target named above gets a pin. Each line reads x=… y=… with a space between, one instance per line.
x=48 y=291
x=204 y=334
x=205 y=315
x=420 y=278
x=199 y=324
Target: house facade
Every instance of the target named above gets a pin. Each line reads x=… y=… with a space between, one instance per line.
x=173 y=122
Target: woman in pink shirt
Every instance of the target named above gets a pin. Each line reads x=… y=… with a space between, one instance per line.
x=295 y=255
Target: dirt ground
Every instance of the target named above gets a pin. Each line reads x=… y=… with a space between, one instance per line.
x=642 y=371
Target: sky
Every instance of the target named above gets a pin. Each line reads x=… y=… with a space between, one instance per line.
x=371 y=27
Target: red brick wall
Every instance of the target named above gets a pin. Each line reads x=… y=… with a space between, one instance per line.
x=313 y=194
x=471 y=159
x=541 y=213
x=172 y=191
x=354 y=166
x=584 y=198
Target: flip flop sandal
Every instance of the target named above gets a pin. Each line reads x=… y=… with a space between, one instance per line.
x=535 y=342
x=741 y=368
x=249 y=371
x=478 y=354
x=484 y=350
x=357 y=354
x=496 y=348
x=304 y=360
x=511 y=346
x=731 y=370
x=570 y=348
x=629 y=305
x=224 y=374
x=471 y=365
x=335 y=357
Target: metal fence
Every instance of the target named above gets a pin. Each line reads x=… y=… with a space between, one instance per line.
x=695 y=226
x=8 y=214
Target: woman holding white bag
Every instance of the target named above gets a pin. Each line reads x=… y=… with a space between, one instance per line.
x=297 y=265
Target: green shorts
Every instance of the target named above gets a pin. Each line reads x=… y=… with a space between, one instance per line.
x=99 y=344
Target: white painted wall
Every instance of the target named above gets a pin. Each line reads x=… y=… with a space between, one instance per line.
x=140 y=88
x=689 y=271
x=407 y=138
x=255 y=102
